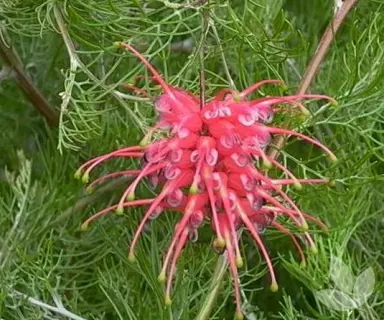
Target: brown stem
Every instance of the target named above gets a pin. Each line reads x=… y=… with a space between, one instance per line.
x=318 y=57
x=13 y=62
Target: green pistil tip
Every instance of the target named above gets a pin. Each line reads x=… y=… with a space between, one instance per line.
x=89 y=189
x=304 y=227
x=239 y=262
x=239 y=315
x=305 y=112
x=297 y=185
x=84 y=227
x=236 y=96
x=144 y=142
x=313 y=249
x=301 y=117
x=325 y=229
x=266 y=164
x=131 y=196
x=131 y=257
x=193 y=189
x=161 y=278
x=167 y=301
x=219 y=243
x=117 y=44
x=77 y=174
x=333 y=158
x=284 y=87
x=334 y=104
x=303 y=264
x=274 y=287
x=85 y=177
x=119 y=210
x=332 y=183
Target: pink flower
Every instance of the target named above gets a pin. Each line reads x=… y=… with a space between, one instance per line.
x=205 y=169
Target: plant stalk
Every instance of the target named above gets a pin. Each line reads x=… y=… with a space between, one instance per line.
x=218 y=275
x=322 y=49
x=13 y=62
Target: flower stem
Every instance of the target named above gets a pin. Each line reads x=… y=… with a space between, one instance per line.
x=201 y=49
x=318 y=57
x=214 y=287
x=13 y=62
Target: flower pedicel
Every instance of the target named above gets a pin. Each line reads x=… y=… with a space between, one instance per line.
x=205 y=169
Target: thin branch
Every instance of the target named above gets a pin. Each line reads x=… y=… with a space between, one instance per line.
x=70 y=81
x=324 y=45
x=224 y=61
x=218 y=275
x=59 y=309
x=13 y=62
x=201 y=49
x=318 y=57
x=194 y=4
x=75 y=61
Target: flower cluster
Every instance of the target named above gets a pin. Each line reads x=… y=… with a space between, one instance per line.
x=204 y=167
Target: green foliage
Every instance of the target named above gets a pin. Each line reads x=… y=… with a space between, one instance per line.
x=49 y=269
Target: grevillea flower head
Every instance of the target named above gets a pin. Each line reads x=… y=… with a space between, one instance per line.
x=205 y=170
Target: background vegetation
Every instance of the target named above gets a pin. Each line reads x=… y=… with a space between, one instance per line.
x=49 y=269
